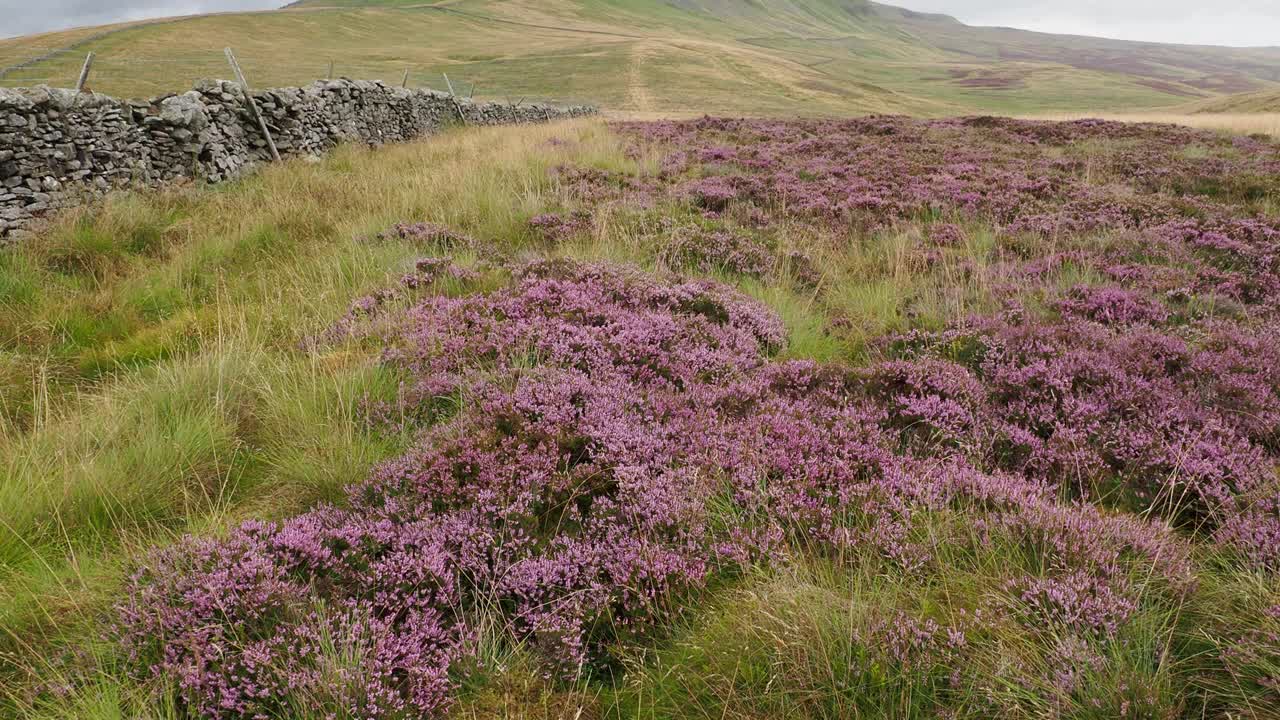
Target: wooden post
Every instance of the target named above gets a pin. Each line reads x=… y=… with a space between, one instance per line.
x=253 y=106
x=473 y=91
x=405 y=82
x=454 y=95
x=329 y=75
x=84 y=73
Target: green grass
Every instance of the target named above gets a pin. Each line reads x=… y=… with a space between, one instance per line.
x=825 y=57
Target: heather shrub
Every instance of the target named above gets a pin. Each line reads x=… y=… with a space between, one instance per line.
x=933 y=404
x=946 y=235
x=1129 y=415
x=1113 y=306
x=716 y=250
x=712 y=193
x=557 y=227
x=596 y=521
x=873 y=171
x=622 y=440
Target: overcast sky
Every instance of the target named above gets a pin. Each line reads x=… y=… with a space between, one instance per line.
x=22 y=17
x=1225 y=22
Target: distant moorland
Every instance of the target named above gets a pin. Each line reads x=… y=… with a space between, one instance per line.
x=811 y=57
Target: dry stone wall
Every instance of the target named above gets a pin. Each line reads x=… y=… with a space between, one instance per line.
x=58 y=148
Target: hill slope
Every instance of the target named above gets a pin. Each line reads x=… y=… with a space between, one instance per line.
x=806 y=56
x=1267 y=101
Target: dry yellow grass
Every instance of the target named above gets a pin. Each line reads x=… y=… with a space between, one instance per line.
x=1239 y=123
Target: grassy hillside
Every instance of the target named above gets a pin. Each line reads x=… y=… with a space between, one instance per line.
x=651 y=56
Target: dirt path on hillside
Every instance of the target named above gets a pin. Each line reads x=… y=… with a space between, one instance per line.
x=638 y=95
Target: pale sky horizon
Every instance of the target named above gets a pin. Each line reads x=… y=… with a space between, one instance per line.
x=1237 y=23
x=1244 y=23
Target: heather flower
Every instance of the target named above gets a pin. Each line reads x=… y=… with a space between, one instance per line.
x=1113 y=306
x=946 y=235
x=555 y=227
x=1077 y=601
x=710 y=251
x=712 y=193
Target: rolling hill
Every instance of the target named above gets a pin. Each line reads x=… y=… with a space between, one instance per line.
x=659 y=57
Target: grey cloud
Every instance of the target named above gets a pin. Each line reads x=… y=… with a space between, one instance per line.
x=22 y=17
x=1226 y=22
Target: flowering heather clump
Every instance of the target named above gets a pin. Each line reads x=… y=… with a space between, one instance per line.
x=428 y=270
x=1080 y=404
x=1113 y=306
x=555 y=227
x=608 y=418
x=716 y=250
x=1134 y=393
x=931 y=403
x=557 y=494
x=242 y=622
x=712 y=193
x=1077 y=601
x=599 y=186
x=946 y=235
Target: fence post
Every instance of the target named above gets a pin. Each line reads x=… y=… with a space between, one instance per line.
x=405 y=82
x=253 y=106
x=84 y=73
x=456 y=106
x=329 y=75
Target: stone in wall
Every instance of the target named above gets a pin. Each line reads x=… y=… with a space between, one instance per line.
x=58 y=148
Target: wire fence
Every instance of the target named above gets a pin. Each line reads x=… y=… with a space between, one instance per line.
x=137 y=73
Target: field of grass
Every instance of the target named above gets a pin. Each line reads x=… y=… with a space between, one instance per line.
x=645 y=57
x=169 y=365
